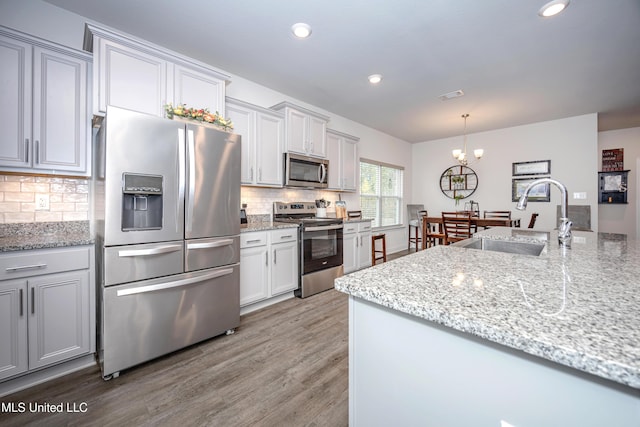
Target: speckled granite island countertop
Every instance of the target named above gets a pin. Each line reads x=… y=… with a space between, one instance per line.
x=578 y=307
x=20 y=237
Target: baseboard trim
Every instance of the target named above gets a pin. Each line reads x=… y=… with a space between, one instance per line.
x=38 y=377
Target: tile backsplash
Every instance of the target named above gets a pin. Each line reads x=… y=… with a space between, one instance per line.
x=260 y=200
x=68 y=199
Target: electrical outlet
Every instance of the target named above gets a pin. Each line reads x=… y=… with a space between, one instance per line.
x=581 y=195
x=42 y=202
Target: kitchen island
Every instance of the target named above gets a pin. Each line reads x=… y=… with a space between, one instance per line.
x=454 y=336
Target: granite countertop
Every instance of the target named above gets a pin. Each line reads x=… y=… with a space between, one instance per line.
x=577 y=307
x=346 y=220
x=43 y=235
x=266 y=225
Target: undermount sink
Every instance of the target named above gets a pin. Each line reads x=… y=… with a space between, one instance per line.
x=508 y=246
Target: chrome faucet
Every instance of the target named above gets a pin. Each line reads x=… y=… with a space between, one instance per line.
x=564 y=231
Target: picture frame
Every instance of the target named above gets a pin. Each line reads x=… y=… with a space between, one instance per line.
x=537 y=167
x=539 y=193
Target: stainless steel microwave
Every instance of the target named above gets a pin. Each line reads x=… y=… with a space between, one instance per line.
x=306 y=172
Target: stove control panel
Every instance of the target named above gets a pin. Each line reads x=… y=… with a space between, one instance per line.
x=282 y=208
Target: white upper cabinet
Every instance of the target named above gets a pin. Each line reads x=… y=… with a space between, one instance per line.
x=15 y=102
x=44 y=123
x=198 y=89
x=243 y=119
x=262 y=133
x=128 y=78
x=60 y=119
x=140 y=76
x=305 y=130
x=342 y=152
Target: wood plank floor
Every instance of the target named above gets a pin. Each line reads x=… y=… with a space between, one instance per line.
x=286 y=365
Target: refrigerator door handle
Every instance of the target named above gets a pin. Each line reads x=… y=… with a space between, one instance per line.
x=192 y=179
x=152 y=251
x=174 y=284
x=207 y=245
x=181 y=160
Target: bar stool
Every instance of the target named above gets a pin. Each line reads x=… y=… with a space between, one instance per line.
x=374 y=252
x=414 y=220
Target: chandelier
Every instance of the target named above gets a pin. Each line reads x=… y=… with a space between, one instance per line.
x=461 y=155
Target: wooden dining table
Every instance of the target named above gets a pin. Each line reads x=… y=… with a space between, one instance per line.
x=475 y=220
x=479 y=222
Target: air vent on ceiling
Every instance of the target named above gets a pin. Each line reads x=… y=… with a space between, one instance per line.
x=450 y=95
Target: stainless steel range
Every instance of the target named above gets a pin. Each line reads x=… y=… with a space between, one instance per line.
x=320 y=250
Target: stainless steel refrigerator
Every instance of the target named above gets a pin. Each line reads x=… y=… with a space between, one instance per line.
x=167 y=197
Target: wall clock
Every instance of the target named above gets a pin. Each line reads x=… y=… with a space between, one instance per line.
x=458 y=182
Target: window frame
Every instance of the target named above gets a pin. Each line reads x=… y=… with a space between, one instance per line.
x=380 y=198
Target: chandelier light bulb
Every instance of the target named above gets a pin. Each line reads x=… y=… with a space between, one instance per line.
x=461 y=155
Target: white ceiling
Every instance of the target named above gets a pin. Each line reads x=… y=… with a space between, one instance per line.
x=513 y=66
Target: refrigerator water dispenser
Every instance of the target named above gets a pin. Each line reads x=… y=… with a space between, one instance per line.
x=141 y=202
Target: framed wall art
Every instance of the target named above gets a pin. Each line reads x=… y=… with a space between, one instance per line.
x=538 y=167
x=539 y=193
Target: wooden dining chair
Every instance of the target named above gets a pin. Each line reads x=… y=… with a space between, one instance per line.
x=497 y=214
x=457 y=226
x=532 y=221
x=431 y=233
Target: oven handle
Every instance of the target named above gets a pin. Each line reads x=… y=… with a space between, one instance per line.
x=323 y=227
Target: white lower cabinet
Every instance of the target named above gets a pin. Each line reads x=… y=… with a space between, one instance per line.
x=46 y=311
x=268 y=264
x=254 y=265
x=356 y=246
x=284 y=261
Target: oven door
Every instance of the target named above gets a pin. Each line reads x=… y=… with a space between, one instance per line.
x=321 y=247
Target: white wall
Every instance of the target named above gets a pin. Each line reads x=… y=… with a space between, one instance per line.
x=622 y=218
x=573 y=146
x=570 y=144
x=41 y=19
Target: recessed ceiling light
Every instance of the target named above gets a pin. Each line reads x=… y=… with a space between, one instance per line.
x=301 y=30
x=375 y=78
x=553 y=8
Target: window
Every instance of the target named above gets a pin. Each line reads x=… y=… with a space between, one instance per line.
x=381 y=192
